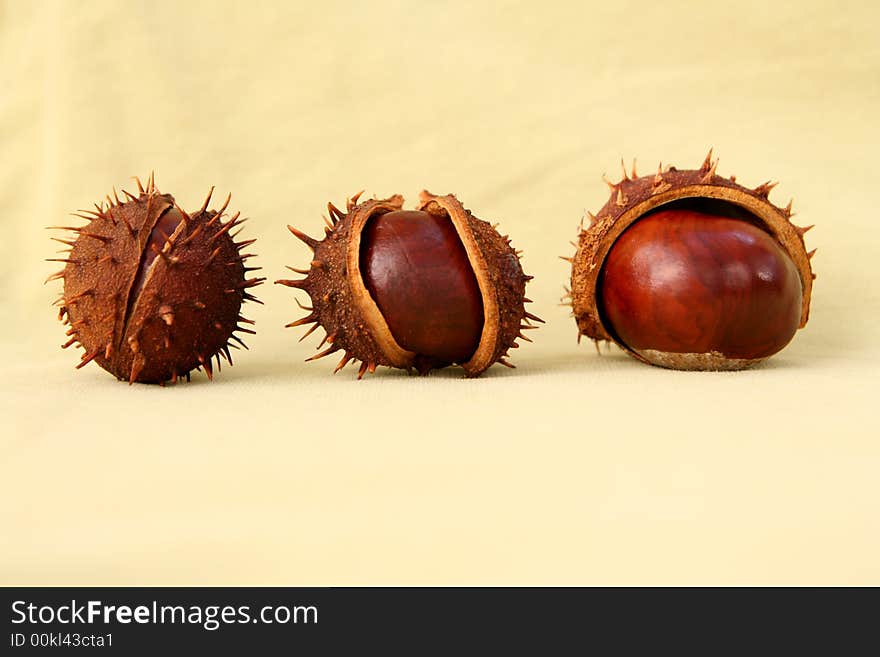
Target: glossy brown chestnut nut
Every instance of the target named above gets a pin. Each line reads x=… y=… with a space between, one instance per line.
x=152 y=292
x=418 y=289
x=415 y=267
x=689 y=270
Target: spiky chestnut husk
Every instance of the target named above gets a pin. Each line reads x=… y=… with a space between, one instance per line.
x=151 y=292
x=631 y=198
x=344 y=307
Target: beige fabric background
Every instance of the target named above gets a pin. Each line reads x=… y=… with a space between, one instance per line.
x=572 y=469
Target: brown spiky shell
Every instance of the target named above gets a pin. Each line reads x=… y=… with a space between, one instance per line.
x=177 y=315
x=633 y=196
x=343 y=306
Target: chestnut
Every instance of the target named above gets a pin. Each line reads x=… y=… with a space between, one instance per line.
x=414 y=289
x=152 y=292
x=415 y=267
x=689 y=270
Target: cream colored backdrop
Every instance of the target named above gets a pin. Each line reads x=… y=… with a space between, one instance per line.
x=572 y=469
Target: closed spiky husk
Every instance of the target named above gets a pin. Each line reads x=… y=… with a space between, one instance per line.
x=354 y=325
x=633 y=196
x=149 y=306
